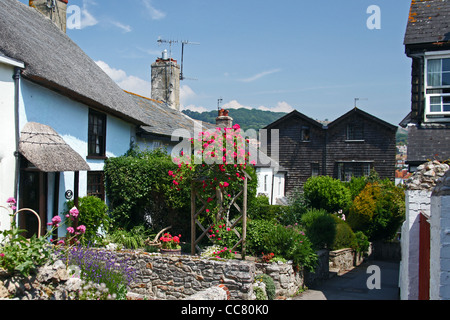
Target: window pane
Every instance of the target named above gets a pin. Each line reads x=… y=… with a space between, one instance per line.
x=446 y=104
x=434 y=72
x=446 y=79
x=445 y=65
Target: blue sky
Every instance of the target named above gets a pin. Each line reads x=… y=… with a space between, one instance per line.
x=313 y=56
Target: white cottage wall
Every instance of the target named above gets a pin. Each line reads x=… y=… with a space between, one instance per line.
x=7 y=140
x=70 y=119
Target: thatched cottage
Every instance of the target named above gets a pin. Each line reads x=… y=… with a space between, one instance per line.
x=62 y=115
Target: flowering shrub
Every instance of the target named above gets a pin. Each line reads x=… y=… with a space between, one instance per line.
x=224 y=253
x=222 y=235
x=101 y=267
x=26 y=255
x=169 y=242
x=217 y=164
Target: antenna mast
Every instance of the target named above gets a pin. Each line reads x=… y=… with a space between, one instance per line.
x=183 y=43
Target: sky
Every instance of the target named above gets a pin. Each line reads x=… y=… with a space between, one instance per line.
x=316 y=57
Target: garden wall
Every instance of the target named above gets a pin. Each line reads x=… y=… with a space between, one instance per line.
x=170 y=277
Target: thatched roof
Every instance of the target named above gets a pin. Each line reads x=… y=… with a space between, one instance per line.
x=54 y=61
x=43 y=147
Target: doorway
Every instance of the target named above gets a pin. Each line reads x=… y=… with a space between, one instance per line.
x=32 y=195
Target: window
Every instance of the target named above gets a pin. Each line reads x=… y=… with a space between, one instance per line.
x=306 y=134
x=96 y=184
x=266 y=178
x=347 y=170
x=97 y=134
x=315 y=169
x=437 y=87
x=355 y=132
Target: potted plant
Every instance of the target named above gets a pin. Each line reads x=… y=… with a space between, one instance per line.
x=170 y=244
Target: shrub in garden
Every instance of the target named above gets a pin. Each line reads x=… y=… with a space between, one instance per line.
x=291 y=243
x=320 y=228
x=378 y=211
x=101 y=267
x=326 y=193
x=93 y=214
x=140 y=190
x=270 y=285
x=257 y=231
x=296 y=208
x=345 y=237
x=129 y=239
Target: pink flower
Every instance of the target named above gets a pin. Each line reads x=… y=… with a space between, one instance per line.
x=2 y=255
x=226 y=184
x=81 y=229
x=170 y=173
x=11 y=201
x=74 y=212
x=70 y=230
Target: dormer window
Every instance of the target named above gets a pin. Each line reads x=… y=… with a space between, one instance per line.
x=437 y=87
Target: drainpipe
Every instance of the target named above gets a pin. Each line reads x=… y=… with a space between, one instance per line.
x=16 y=78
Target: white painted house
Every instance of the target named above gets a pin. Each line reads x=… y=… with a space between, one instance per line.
x=62 y=116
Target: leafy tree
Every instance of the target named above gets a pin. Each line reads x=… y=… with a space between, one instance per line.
x=326 y=193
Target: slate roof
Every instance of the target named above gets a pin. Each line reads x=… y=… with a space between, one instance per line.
x=54 y=61
x=163 y=120
x=429 y=22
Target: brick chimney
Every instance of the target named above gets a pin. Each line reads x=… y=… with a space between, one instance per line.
x=224 y=120
x=55 y=10
x=166 y=81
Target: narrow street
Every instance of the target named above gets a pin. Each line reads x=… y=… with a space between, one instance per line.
x=353 y=284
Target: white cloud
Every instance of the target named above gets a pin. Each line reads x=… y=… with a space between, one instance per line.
x=87 y=19
x=234 y=104
x=280 y=107
x=127 y=82
x=194 y=108
x=186 y=94
x=260 y=75
x=155 y=14
x=123 y=27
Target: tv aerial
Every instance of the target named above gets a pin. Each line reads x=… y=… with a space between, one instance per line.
x=183 y=43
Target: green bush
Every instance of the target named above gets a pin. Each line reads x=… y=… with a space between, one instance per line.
x=378 y=211
x=320 y=228
x=139 y=187
x=361 y=242
x=356 y=185
x=326 y=193
x=257 y=231
x=93 y=215
x=294 y=211
x=270 y=285
x=130 y=239
x=345 y=237
x=291 y=243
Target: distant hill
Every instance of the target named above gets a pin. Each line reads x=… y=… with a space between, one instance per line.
x=247 y=119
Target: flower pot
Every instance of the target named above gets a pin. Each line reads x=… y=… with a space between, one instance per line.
x=170 y=251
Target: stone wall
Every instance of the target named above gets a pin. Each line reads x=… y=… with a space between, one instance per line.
x=170 y=277
x=342 y=260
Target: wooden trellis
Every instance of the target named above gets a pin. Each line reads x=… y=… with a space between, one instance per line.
x=221 y=214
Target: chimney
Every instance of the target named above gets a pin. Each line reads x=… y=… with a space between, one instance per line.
x=224 y=120
x=166 y=81
x=55 y=10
